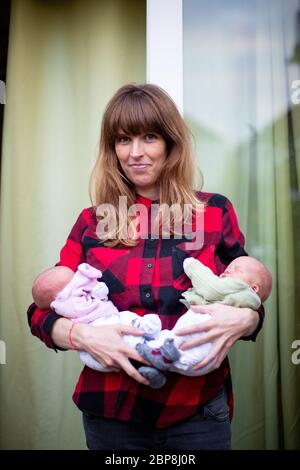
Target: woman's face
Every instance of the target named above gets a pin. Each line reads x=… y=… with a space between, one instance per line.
x=142 y=158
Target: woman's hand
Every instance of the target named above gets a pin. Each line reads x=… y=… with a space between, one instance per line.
x=226 y=325
x=107 y=346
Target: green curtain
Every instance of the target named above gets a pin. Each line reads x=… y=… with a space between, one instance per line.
x=65 y=60
x=238 y=102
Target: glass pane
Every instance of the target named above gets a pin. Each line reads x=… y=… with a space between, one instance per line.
x=241 y=60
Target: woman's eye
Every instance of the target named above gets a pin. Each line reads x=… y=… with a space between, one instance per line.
x=150 y=137
x=122 y=139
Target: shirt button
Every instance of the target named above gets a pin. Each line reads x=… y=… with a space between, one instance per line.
x=148 y=295
x=149 y=265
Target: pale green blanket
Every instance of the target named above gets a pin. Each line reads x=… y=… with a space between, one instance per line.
x=209 y=288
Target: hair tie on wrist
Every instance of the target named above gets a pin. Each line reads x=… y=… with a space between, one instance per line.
x=70 y=337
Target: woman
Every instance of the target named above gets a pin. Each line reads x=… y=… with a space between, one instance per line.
x=145 y=155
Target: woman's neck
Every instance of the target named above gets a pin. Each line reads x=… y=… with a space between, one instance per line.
x=149 y=193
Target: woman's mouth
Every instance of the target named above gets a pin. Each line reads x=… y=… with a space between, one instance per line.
x=139 y=166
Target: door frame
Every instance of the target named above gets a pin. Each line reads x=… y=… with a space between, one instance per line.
x=164 y=49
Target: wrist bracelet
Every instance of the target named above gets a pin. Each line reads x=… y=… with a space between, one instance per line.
x=70 y=337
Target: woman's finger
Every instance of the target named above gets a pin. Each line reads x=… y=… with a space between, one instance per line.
x=201 y=339
x=203 y=308
x=218 y=350
x=198 y=328
x=106 y=362
x=131 y=330
x=131 y=371
x=133 y=354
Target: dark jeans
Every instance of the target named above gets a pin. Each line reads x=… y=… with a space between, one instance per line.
x=208 y=429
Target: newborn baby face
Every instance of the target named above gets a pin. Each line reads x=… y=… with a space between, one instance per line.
x=253 y=273
x=243 y=268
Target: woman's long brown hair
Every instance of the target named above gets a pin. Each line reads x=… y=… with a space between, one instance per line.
x=136 y=109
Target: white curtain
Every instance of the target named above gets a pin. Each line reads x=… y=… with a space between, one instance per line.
x=65 y=61
x=238 y=101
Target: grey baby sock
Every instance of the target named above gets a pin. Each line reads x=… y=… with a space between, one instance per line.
x=156 y=377
x=160 y=358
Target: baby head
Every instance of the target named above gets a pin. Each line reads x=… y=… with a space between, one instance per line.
x=49 y=283
x=253 y=273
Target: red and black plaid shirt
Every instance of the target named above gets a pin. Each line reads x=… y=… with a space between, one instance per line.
x=148 y=278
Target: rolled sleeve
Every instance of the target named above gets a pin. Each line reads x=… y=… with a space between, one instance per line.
x=261 y=314
x=41 y=322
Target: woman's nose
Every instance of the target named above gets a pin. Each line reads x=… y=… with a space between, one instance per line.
x=137 y=147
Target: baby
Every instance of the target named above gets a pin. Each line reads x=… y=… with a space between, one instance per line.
x=81 y=297
x=246 y=282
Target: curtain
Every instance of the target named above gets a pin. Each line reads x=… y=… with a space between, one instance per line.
x=237 y=99
x=65 y=60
